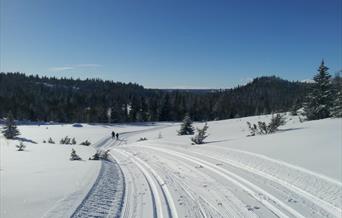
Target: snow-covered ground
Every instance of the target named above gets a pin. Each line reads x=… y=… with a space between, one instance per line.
x=295 y=172
x=42 y=180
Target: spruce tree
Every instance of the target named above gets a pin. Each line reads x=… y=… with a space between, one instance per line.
x=186 y=127
x=10 y=130
x=319 y=100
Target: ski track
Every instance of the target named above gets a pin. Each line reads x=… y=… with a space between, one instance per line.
x=291 y=193
x=139 y=183
x=279 y=204
x=106 y=193
x=189 y=201
x=325 y=204
x=137 y=201
x=164 y=201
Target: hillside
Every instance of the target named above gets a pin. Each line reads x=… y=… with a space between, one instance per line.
x=73 y=100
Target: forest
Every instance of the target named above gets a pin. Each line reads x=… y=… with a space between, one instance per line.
x=67 y=100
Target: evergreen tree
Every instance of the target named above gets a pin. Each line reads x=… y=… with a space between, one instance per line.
x=336 y=110
x=74 y=156
x=10 y=130
x=319 y=100
x=186 y=127
x=201 y=135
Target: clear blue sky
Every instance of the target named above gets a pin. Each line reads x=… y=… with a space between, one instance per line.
x=171 y=43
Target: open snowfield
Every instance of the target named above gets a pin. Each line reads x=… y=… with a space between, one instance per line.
x=295 y=172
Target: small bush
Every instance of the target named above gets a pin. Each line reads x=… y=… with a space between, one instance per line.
x=96 y=156
x=73 y=141
x=65 y=141
x=142 y=139
x=74 y=156
x=21 y=146
x=86 y=143
x=100 y=155
x=201 y=135
x=262 y=128
x=51 y=141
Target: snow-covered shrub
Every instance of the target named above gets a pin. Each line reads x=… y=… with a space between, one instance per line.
x=51 y=141
x=186 y=127
x=200 y=135
x=10 y=130
x=253 y=129
x=262 y=128
x=104 y=155
x=74 y=156
x=276 y=121
x=96 y=156
x=21 y=146
x=100 y=155
x=73 y=141
x=142 y=139
x=65 y=141
x=86 y=143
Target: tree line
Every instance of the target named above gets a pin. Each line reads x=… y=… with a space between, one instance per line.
x=69 y=100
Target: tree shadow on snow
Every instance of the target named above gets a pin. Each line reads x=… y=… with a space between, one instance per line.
x=217 y=141
x=290 y=129
x=22 y=139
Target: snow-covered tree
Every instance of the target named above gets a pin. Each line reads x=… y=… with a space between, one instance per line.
x=186 y=127
x=10 y=130
x=201 y=135
x=336 y=110
x=320 y=99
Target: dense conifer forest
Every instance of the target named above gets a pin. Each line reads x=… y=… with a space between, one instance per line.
x=37 y=98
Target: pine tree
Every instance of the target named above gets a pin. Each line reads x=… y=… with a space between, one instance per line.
x=186 y=127
x=10 y=130
x=320 y=98
x=201 y=135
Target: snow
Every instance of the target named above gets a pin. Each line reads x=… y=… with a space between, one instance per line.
x=295 y=172
x=42 y=180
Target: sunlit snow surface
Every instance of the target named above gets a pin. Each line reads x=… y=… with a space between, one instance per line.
x=295 y=172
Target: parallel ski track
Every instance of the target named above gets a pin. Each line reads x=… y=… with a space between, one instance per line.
x=198 y=202
x=155 y=182
x=130 y=201
x=249 y=187
x=318 y=202
x=335 y=211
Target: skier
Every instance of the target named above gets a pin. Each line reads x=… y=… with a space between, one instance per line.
x=117 y=136
x=113 y=134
